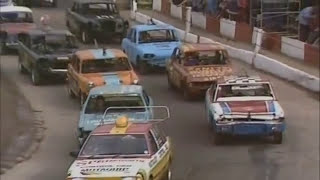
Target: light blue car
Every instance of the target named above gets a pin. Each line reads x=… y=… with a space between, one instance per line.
x=129 y=100
x=150 y=45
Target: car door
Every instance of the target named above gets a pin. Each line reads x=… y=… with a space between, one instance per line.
x=160 y=168
x=132 y=46
x=73 y=73
x=29 y=57
x=72 y=17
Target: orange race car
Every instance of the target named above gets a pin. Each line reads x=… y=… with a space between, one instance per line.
x=98 y=67
x=193 y=67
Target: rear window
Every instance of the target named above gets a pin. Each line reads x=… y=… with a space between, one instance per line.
x=106 y=65
x=16 y=17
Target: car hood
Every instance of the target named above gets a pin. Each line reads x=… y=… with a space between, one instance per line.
x=16 y=28
x=161 y=48
x=105 y=168
x=265 y=109
x=91 y=121
x=207 y=73
x=116 y=78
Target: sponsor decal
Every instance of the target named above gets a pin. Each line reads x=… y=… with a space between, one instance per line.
x=104 y=161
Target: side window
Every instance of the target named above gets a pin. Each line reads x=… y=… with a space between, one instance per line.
x=77 y=64
x=146 y=97
x=159 y=136
x=134 y=36
x=153 y=144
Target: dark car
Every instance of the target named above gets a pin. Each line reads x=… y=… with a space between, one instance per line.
x=45 y=53
x=38 y=3
x=95 y=19
x=13 y=21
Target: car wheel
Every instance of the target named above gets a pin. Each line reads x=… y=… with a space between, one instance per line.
x=168 y=175
x=70 y=92
x=83 y=98
x=85 y=37
x=170 y=84
x=142 y=67
x=277 y=138
x=35 y=77
x=22 y=69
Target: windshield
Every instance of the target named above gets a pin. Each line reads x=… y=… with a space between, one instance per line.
x=160 y=35
x=124 y=144
x=218 y=57
x=236 y=90
x=52 y=43
x=100 y=9
x=98 y=104
x=16 y=17
x=106 y=65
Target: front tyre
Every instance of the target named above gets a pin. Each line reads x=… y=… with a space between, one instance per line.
x=277 y=138
x=35 y=77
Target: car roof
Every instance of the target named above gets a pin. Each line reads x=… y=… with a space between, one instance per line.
x=229 y=80
x=94 y=1
x=97 y=54
x=15 y=9
x=117 y=89
x=191 y=47
x=133 y=128
x=148 y=27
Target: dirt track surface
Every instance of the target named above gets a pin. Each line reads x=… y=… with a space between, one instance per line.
x=16 y=122
x=196 y=157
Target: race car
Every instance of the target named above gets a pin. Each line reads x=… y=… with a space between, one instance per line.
x=98 y=67
x=150 y=45
x=14 y=20
x=45 y=53
x=244 y=105
x=193 y=67
x=124 y=151
x=102 y=97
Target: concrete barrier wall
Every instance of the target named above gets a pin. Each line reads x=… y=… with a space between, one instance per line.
x=227 y=28
x=292 y=48
x=156 y=5
x=199 y=20
x=260 y=61
x=176 y=11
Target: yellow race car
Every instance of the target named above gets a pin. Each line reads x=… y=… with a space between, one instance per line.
x=124 y=151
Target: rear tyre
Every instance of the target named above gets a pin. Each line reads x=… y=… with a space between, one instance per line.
x=277 y=138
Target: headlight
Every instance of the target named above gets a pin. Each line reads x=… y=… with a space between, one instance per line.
x=148 y=56
x=90 y=84
x=136 y=81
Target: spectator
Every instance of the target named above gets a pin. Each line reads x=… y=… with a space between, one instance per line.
x=212 y=6
x=305 y=19
x=223 y=4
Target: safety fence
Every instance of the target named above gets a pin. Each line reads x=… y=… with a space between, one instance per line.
x=243 y=32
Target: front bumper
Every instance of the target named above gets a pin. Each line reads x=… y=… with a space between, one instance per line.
x=156 y=62
x=250 y=128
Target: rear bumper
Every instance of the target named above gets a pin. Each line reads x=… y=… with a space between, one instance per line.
x=250 y=128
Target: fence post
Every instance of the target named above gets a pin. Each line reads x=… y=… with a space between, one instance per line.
x=258 y=45
x=188 y=22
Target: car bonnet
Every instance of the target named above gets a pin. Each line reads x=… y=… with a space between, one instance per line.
x=100 y=168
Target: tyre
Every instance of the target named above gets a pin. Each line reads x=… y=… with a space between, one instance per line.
x=85 y=38
x=277 y=138
x=170 y=84
x=168 y=175
x=70 y=92
x=22 y=69
x=35 y=77
x=83 y=98
x=142 y=67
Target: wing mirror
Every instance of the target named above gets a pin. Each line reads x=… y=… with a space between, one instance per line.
x=74 y=154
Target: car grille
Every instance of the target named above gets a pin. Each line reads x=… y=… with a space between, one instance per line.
x=246 y=120
x=60 y=64
x=108 y=26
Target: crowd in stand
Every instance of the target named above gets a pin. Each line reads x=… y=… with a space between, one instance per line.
x=239 y=10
